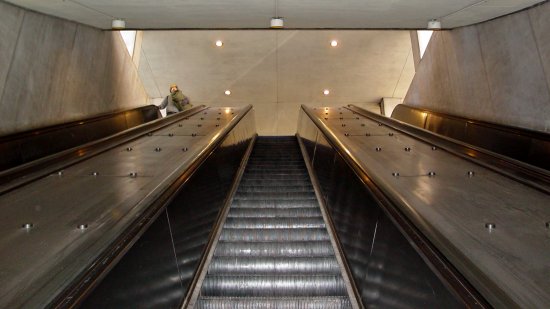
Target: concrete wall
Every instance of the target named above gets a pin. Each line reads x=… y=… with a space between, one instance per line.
x=277 y=71
x=497 y=71
x=53 y=71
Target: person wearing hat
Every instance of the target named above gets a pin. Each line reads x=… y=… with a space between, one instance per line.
x=175 y=102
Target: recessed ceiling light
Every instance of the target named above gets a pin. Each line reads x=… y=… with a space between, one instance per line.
x=219 y=43
x=227 y=92
x=118 y=24
x=434 y=24
x=326 y=92
x=333 y=43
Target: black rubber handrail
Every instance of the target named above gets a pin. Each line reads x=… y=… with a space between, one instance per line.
x=26 y=173
x=23 y=147
x=77 y=291
x=438 y=262
x=527 y=174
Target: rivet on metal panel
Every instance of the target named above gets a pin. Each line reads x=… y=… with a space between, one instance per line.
x=395 y=174
x=217 y=125
x=133 y=174
x=362 y=124
x=326 y=118
x=341 y=118
x=199 y=125
x=340 y=113
x=218 y=118
x=158 y=149
x=193 y=134
x=346 y=134
x=170 y=134
x=390 y=134
x=27 y=226
x=82 y=226
x=434 y=148
x=232 y=113
x=326 y=113
x=202 y=118
x=95 y=173
x=548 y=225
x=367 y=134
x=407 y=149
x=129 y=148
x=219 y=113
x=378 y=149
x=343 y=124
x=431 y=174
x=184 y=149
x=471 y=173
x=490 y=226
x=180 y=125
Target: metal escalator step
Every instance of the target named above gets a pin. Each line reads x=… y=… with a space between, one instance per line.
x=274 y=195
x=273 y=182
x=274 y=249
x=276 y=171
x=274 y=223
x=273 y=265
x=310 y=202
x=273 y=212
x=259 y=189
x=274 y=285
x=330 y=302
x=278 y=235
x=273 y=176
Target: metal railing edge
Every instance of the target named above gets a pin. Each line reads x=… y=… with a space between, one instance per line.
x=435 y=259
x=76 y=292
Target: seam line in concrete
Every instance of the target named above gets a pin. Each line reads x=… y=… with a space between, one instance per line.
x=13 y=56
x=401 y=74
x=539 y=53
x=484 y=65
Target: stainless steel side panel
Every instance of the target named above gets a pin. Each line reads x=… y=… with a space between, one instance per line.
x=37 y=263
x=510 y=264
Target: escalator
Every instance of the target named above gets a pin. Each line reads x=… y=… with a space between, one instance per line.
x=274 y=250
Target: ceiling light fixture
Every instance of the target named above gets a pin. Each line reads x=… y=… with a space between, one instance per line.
x=333 y=43
x=434 y=24
x=118 y=24
x=227 y=92
x=326 y=92
x=277 y=22
x=219 y=43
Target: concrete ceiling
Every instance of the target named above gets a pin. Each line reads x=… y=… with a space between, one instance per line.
x=223 y=14
x=277 y=71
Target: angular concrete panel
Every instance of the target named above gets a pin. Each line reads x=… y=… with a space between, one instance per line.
x=10 y=22
x=540 y=21
x=40 y=63
x=517 y=82
x=467 y=76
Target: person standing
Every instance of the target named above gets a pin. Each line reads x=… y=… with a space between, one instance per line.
x=175 y=102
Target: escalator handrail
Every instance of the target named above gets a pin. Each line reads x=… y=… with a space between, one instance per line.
x=23 y=174
x=438 y=262
x=535 y=177
x=77 y=291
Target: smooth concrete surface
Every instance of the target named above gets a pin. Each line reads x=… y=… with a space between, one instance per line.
x=498 y=71
x=216 y=14
x=55 y=71
x=277 y=71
